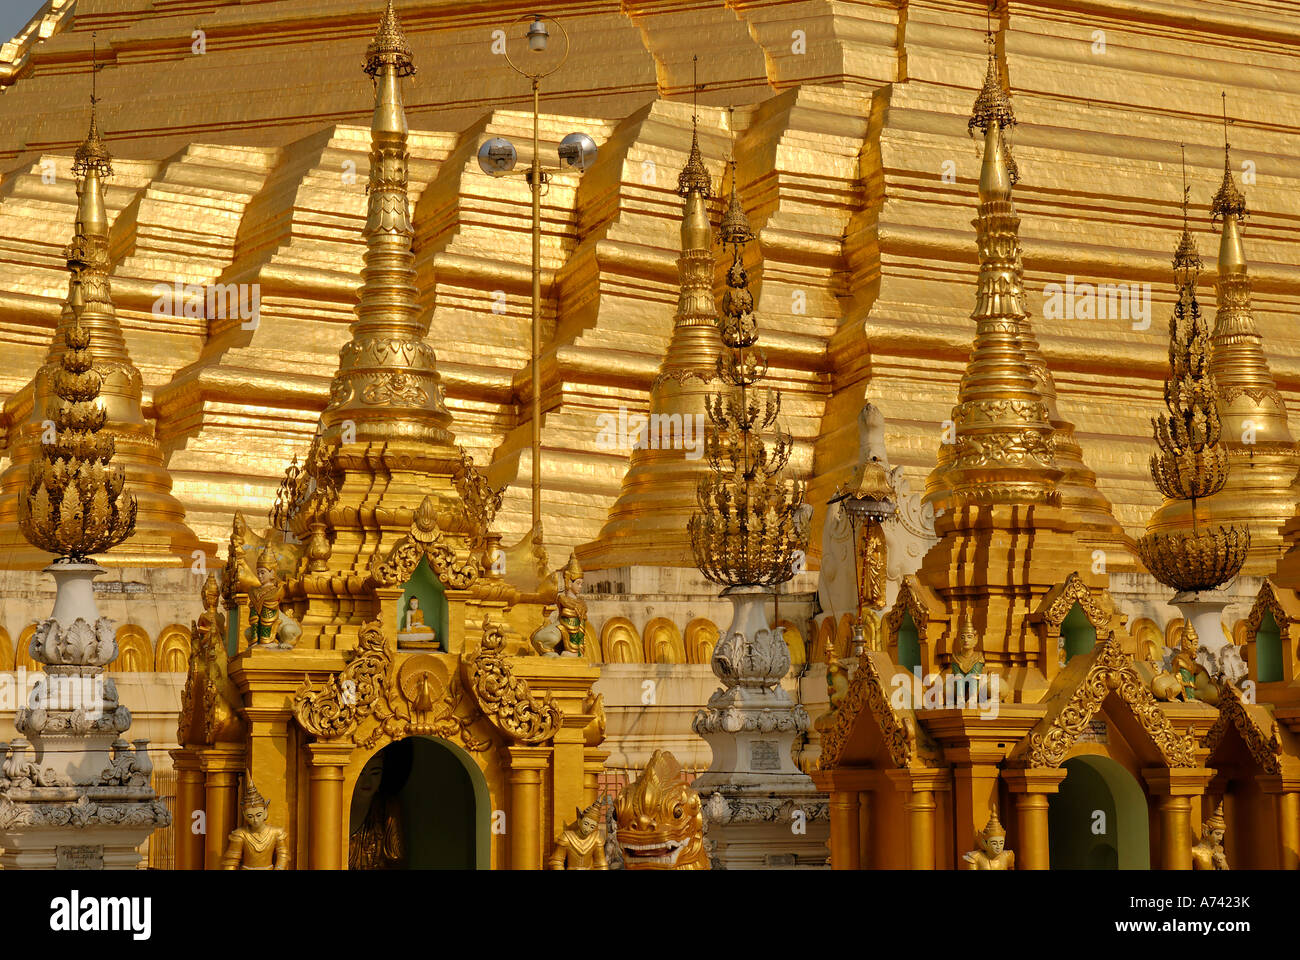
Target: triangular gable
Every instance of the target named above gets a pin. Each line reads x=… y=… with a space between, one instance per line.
x=1057 y=603
x=1259 y=731
x=901 y=731
x=1079 y=692
x=1284 y=604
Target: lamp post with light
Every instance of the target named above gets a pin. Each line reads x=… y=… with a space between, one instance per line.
x=867 y=508
x=496 y=157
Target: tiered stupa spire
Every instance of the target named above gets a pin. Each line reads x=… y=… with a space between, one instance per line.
x=647 y=525
x=1077 y=486
x=85 y=407
x=1005 y=539
x=1262 y=454
x=384 y=457
x=1192 y=462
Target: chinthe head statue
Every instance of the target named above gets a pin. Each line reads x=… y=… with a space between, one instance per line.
x=572 y=573
x=661 y=820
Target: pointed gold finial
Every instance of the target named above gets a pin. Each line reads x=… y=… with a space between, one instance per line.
x=387 y=384
x=389 y=47
x=1187 y=261
x=92 y=155
x=993 y=109
x=694 y=177
x=73 y=504
x=1228 y=201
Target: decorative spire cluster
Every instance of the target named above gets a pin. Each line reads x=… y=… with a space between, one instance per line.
x=74 y=504
x=1192 y=461
x=746 y=531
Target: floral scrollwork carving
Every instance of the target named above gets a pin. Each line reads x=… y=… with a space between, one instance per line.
x=422 y=698
x=1265 y=747
x=1111 y=672
x=505 y=698
x=867 y=690
x=424 y=540
x=347 y=698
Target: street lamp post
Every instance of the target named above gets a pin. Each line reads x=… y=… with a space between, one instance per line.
x=497 y=158
x=867 y=508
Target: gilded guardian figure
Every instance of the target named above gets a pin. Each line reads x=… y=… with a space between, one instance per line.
x=257 y=845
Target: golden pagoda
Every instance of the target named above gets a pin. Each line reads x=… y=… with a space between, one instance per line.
x=647 y=524
x=160 y=537
x=365 y=650
x=1077 y=487
x=1009 y=680
x=1258 y=493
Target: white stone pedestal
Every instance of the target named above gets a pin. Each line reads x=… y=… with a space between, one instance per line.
x=760 y=809
x=74 y=795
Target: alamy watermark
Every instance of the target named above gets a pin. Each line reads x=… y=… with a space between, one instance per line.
x=1098 y=301
x=940 y=691
x=214 y=301
x=655 y=431
x=37 y=690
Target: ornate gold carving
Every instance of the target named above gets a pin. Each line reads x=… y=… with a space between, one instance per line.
x=1265 y=748
x=1073 y=591
x=347 y=698
x=210 y=701
x=422 y=699
x=505 y=698
x=424 y=540
x=660 y=820
x=906 y=744
x=1111 y=672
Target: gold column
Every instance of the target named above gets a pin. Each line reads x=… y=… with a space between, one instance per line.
x=1031 y=789
x=221 y=764
x=592 y=765
x=325 y=826
x=864 y=829
x=189 y=798
x=1287 y=793
x=1175 y=787
x=920 y=787
x=845 y=785
x=527 y=765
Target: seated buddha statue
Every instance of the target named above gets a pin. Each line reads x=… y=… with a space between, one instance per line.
x=414 y=631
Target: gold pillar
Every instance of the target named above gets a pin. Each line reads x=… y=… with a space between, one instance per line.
x=1175 y=787
x=190 y=798
x=221 y=764
x=845 y=785
x=864 y=829
x=593 y=764
x=327 y=841
x=919 y=788
x=527 y=764
x=1031 y=789
x=1287 y=804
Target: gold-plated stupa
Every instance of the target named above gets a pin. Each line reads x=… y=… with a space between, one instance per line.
x=647 y=525
x=1259 y=493
x=83 y=407
x=1192 y=462
x=1077 y=486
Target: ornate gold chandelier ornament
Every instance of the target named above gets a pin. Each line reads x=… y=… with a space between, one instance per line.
x=1192 y=462
x=745 y=532
x=74 y=504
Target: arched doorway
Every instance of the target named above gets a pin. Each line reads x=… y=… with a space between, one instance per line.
x=1098 y=820
x=420 y=804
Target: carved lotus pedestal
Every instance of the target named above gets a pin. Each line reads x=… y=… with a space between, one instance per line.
x=759 y=808
x=73 y=793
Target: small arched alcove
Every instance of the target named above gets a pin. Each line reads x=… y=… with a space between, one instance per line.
x=1077 y=632
x=1268 y=649
x=1099 y=819
x=425 y=587
x=420 y=804
x=909 y=643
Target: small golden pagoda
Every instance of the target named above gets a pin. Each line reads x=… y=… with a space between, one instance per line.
x=1258 y=493
x=160 y=537
x=1009 y=681
x=647 y=524
x=363 y=672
